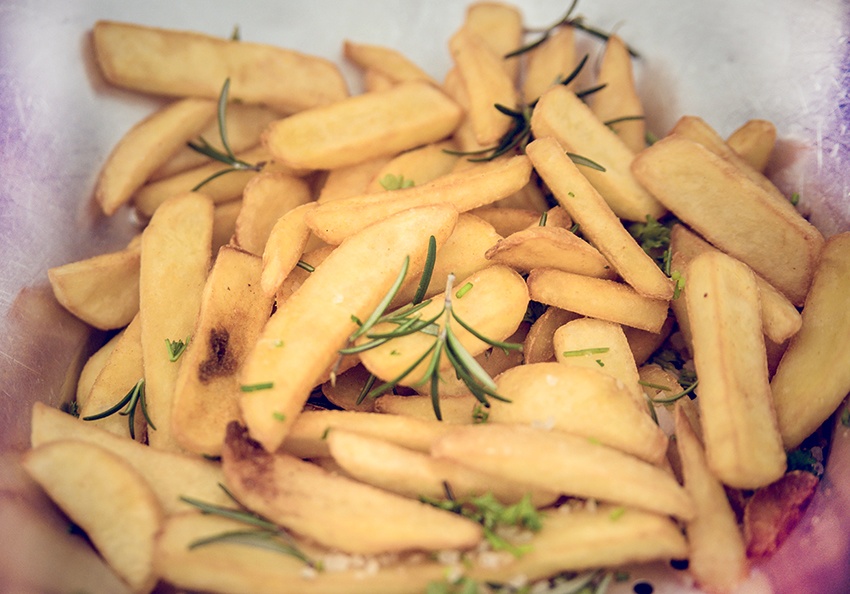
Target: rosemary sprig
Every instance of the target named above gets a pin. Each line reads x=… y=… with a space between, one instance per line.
x=227 y=157
x=671 y=399
x=134 y=398
x=263 y=533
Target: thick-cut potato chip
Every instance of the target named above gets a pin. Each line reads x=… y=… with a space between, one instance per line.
x=183 y=64
x=146 y=147
x=597 y=220
x=754 y=141
x=485 y=184
x=362 y=127
x=562 y=115
x=597 y=298
x=742 y=441
x=724 y=206
x=814 y=374
x=103 y=290
x=300 y=341
x=392 y=64
x=335 y=511
x=549 y=63
x=266 y=198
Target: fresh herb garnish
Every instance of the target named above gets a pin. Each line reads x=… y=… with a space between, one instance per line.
x=227 y=157
x=480 y=414
x=671 y=399
x=395 y=182
x=463 y=290
x=176 y=348
x=257 y=387
x=583 y=352
x=795 y=199
x=127 y=407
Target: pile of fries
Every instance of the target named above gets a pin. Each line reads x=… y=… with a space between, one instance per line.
x=405 y=341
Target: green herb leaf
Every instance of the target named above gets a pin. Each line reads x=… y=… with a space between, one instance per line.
x=589 y=351
x=257 y=387
x=176 y=348
x=395 y=182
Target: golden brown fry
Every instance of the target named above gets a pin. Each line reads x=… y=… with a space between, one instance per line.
x=539 y=346
x=267 y=197
x=454 y=409
x=548 y=63
x=344 y=390
x=415 y=167
x=224 y=223
x=500 y=27
x=183 y=64
x=392 y=64
x=92 y=368
x=362 y=127
x=351 y=180
x=754 y=141
x=507 y=220
x=284 y=247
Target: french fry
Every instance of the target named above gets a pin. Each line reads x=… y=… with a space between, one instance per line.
x=267 y=197
x=644 y=343
x=414 y=474
x=597 y=298
x=597 y=220
x=232 y=313
x=376 y=81
x=284 y=247
x=500 y=27
x=486 y=83
x=454 y=409
x=335 y=511
x=464 y=135
x=812 y=377
x=562 y=115
x=754 y=141
x=717 y=557
x=564 y=463
x=416 y=167
x=224 y=223
x=391 y=63
x=182 y=64
x=175 y=261
x=351 y=180
x=344 y=390
x=619 y=99
x=100 y=492
x=507 y=221
x=93 y=367
x=582 y=402
x=335 y=221
x=362 y=127
x=548 y=63
x=298 y=275
x=146 y=147
x=742 y=441
x=300 y=341
x=539 y=346
x=103 y=290
x=721 y=204
x=169 y=474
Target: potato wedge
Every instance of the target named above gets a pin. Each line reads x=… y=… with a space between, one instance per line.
x=351 y=180
x=568 y=464
x=597 y=298
x=103 y=290
x=391 y=63
x=344 y=390
x=562 y=115
x=717 y=557
x=548 y=63
x=742 y=441
x=300 y=341
x=819 y=350
x=415 y=167
x=335 y=511
x=597 y=220
x=362 y=127
x=507 y=221
x=146 y=147
x=175 y=260
x=754 y=141
x=500 y=27
x=183 y=64
x=233 y=311
x=92 y=368
x=224 y=223
x=582 y=402
x=461 y=409
x=466 y=190
x=284 y=247
x=108 y=499
x=538 y=346
x=721 y=204
x=644 y=343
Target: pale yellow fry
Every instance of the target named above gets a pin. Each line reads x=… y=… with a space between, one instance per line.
x=266 y=198
x=122 y=370
x=548 y=63
x=362 y=127
x=232 y=313
x=596 y=219
x=780 y=319
x=389 y=62
x=719 y=202
x=507 y=220
x=500 y=27
x=579 y=401
x=416 y=167
x=717 y=557
x=284 y=247
x=576 y=337
x=813 y=376
x=564 y=463
x=301 y=340
x=562 y=115
x=335 y=221
x=454 y=409
x=333 y=510
x=376 y=81
x=644 y=343
x=351 y=180
x=415 y=474
x=344 y=391
x=169 y=474
x=754 y=141
x=106 y=498
x=103 y=290
x=619 y=98
x=146 y=147
x=742 y=440
x=597 y=298
x=244 y=125
x=539 y=346
x=486 y=83
x=182 y=64
x=298 y=275
x=175 y=262
x=92 y=368
x=224 y=223
x=464 y=134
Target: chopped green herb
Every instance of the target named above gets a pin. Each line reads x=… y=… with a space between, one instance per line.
x=176 y=348
x=325 y=433
x=845 y=416
x=543 y=218
x=279 y=416
x=679 y=283
x=278 y=343
x=257 y=387
x=600 y=362
x=395 y=182
x=583 y=352
x=463 y=290
x=235 y=35
x=617 y=513
x=480 y=414
x=795 y=199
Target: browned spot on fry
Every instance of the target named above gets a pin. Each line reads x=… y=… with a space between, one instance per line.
x=219 y=361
